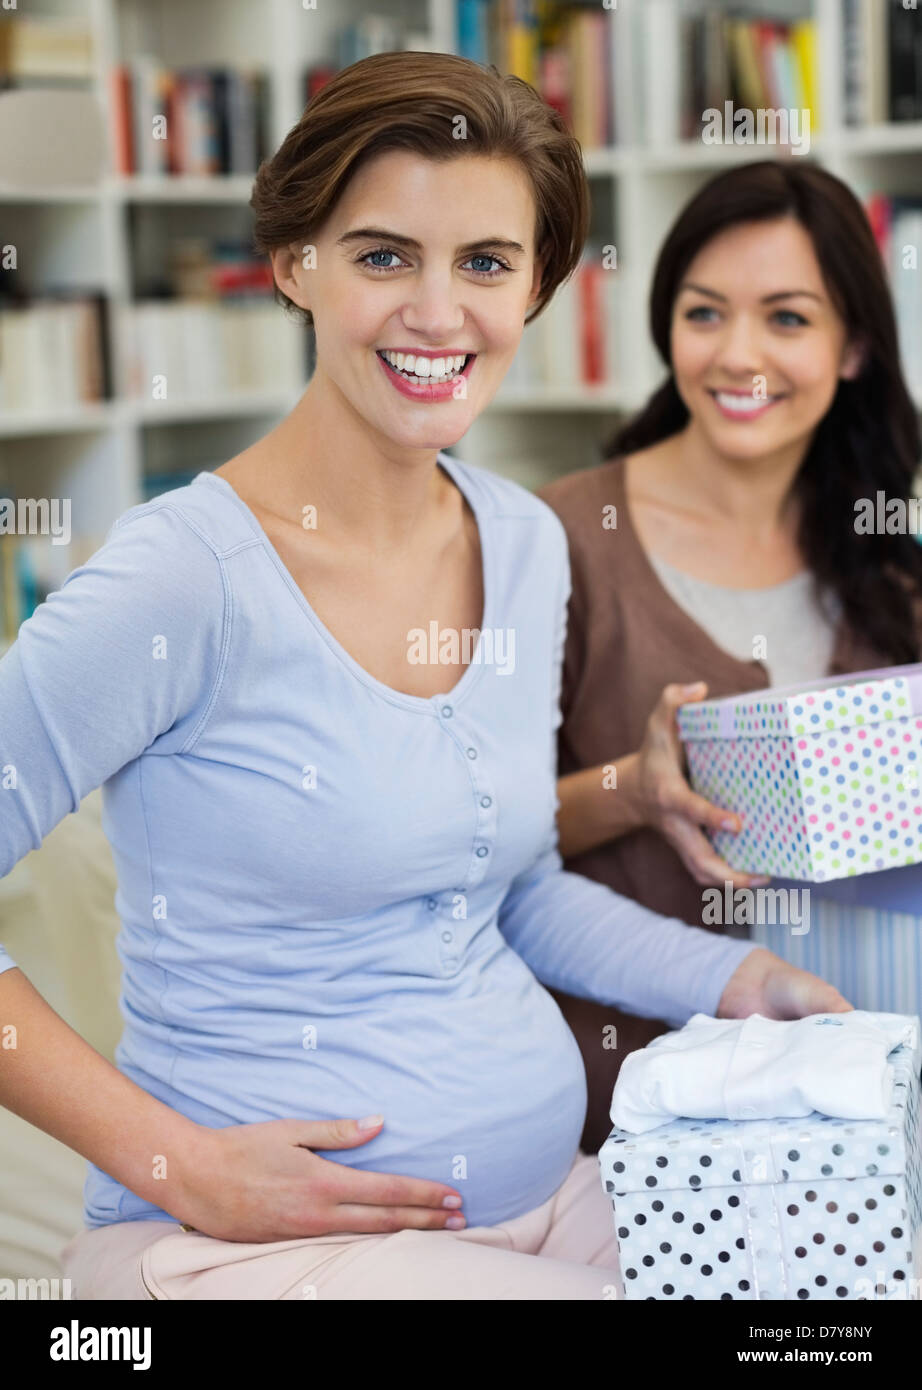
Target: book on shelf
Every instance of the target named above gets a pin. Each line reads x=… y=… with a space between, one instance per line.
x=571 y=345
x=31 y=567
x=897 y=227
x=563 y=52
x=212 y=350
x=36 y=50
x=153 y=484
x=882 y=61
x=202 y=121
x=697 y=63
x=53 y=351
x=362 y=38
x=689 y=62
x=205 y=325
x=20 y=589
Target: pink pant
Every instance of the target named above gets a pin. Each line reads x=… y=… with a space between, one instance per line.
x=564 y=1249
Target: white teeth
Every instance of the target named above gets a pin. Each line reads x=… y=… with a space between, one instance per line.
x=426 y=368
x=742 y=405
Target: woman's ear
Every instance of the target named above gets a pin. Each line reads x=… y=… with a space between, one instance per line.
x=287 y=266
x=853 y=360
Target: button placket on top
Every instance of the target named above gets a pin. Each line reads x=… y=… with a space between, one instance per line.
x=450 y=936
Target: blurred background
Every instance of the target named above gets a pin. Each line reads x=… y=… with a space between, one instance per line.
x=124 y=259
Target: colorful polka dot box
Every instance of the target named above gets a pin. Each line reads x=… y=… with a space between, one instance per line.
x=827 y=778
x=786 y=1209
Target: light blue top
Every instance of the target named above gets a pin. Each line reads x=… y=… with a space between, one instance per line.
x=334 y=898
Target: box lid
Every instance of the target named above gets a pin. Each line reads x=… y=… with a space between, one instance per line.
x=837 y=702
x=697 y=1154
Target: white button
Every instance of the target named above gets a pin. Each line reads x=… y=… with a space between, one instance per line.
x=447 y=936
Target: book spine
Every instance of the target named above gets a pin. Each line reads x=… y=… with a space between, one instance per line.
x=901 y=46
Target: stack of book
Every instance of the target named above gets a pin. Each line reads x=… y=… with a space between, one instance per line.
x=695 y=64
x=571 y=345
x=36 y=51
x=211 y=350
x=564 y=53
x=882 y=61
x=897 y=224
x=370 y=34
x=52 y=352
x=188 y=121
x=689 y=63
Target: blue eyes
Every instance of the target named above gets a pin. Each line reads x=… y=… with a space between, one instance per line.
x=786 y=318
x=386 y=269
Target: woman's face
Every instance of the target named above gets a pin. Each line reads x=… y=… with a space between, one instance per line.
x=757 y=345
x=430 y=259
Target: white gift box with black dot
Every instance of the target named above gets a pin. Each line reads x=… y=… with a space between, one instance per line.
x=807 y=1208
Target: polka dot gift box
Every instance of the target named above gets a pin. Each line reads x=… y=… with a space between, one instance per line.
x=784 y=1209
x=827 y=778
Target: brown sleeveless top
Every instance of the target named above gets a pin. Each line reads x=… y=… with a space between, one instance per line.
x=626 y=639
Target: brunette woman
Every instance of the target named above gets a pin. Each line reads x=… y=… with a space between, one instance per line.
x=734 y=562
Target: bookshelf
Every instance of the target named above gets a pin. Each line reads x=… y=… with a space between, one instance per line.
x=112 y=237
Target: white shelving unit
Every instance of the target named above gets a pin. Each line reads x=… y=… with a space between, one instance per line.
x=98 y=454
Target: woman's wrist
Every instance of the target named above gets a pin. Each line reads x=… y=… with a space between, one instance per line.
x=631 y=812
x=599 y=804
x=167 y=1169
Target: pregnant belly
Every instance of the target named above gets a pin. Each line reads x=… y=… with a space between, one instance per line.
x=487 y=1095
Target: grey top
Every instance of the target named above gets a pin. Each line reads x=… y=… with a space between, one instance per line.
x=796 y=629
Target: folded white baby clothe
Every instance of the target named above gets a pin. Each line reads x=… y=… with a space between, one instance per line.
x=759 y=1068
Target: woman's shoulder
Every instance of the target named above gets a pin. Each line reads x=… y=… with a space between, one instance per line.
x=160 y=563
x=204 y=508
x=501 y=500
x=581 y=497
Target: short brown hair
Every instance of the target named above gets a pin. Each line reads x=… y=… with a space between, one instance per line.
x=412 y=101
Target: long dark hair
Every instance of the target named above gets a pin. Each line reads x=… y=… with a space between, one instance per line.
x=869 y=438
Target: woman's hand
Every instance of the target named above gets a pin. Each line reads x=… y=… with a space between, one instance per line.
x=261 y=1182
x=765 y=984
x=670 y=805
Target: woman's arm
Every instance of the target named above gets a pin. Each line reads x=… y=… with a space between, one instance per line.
x=254 y=1182
x=51 y=1077
x=581 y=938
x=649 y=788
x=598 y=804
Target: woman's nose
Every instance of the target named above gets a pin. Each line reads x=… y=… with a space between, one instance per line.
x=739 y=349
x=433 y=307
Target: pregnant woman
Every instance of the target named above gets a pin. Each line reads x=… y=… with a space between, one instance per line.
x=735 y=562
x=332 y=816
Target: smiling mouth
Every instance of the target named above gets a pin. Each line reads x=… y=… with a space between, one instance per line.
x=427 y=371
x=743 y=405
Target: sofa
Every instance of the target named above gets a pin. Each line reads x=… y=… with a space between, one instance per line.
x=58 y=922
